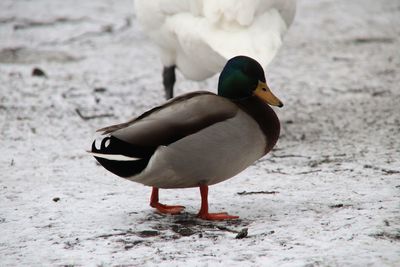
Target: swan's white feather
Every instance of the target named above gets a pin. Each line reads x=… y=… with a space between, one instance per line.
x=200 y=36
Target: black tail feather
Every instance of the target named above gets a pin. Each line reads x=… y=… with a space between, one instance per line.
x=119 y=147
x=123 y=168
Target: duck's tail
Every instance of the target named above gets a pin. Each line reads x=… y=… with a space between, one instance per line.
x=119 y=157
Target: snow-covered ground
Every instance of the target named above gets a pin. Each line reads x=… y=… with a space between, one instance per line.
x=332 y=184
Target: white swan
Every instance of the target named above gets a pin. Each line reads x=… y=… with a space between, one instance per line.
x=199 y=36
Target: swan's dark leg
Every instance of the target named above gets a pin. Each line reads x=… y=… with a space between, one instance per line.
x=169 y=81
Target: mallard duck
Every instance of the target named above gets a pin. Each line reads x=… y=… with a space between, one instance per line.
x=197 y=139
x=199 y=36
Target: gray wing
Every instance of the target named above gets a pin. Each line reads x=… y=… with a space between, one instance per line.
x=174 y=120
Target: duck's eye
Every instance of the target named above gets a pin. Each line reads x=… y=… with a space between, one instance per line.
x=264 y=89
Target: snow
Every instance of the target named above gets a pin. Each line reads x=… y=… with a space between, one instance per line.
x=332 y=183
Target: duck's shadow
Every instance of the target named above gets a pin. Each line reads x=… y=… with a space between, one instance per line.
x=187 y=224
x=146 y=228
x=149 y=227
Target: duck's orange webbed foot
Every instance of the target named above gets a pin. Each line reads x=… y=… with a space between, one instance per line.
x=166 y=209
x=205 y=215
x=216 y=216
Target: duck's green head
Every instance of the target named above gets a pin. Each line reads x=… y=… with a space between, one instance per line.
x=243 y=77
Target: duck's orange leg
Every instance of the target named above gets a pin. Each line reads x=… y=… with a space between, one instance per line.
x=161 y=207
x=203 y=213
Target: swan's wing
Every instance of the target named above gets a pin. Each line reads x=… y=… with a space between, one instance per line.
x=200 y=36
x=250 y=27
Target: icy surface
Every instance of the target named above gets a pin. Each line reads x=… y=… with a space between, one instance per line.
x=328 y=195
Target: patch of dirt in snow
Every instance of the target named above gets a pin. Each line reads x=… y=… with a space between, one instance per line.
x=327 y=195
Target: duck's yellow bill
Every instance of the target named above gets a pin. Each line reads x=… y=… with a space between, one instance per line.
x=264 y=93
